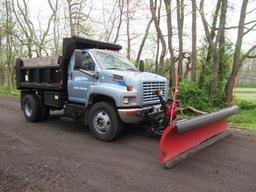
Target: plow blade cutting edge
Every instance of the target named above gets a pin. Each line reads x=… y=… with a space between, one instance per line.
x=188 y=136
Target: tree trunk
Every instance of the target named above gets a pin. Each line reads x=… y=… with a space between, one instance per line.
x=236 y=60
x=159 y=32
x=209 y=50
x=144 y=40
x=222 y=51
x=215 y=53
x=128 y=31
x=121 y=8
x=180 y=22
x=8 y=46
x=71 y=24
x=193 y=56
x=158 y=38
x=170 y=47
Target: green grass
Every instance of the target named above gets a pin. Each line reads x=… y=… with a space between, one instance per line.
x=249 y=89
x=244 y=119
x=247 y=97
x=246 y=100
x=4 y=90
x=246 y=94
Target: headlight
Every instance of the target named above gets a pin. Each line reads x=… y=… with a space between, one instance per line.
x=130 y=99
x=125 y=100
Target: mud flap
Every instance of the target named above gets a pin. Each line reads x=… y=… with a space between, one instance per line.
x=179 y=140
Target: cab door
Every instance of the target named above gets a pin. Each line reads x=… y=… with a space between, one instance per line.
x=79 y=80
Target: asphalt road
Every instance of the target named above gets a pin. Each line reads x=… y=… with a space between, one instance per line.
x=59 y=155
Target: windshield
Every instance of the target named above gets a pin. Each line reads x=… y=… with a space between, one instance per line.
x=112 y=60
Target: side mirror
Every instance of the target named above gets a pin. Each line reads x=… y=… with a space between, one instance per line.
x=96 y=75
x=141 y=65
x=78 y=59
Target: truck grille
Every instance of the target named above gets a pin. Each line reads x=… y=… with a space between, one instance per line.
x=149 y=89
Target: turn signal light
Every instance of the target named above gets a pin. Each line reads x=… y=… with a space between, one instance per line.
x=129 y=88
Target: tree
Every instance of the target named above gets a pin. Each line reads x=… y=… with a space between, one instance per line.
x=143 y=40
x=180 y=23
x=8 y=31
x=56 y=35
x=128 y=30
x=170 y=46
x=158 y=37
x=22 y=16
x=194 y=39
x=78 y=19
x=121 y=9
x=159 y=32
x=209 y=49
x=213 y=45
x=238 y=57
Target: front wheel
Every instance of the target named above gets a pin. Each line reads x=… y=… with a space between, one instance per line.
x=104 y=121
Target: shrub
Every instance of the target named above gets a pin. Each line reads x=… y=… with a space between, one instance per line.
x=191 y=95
x=246 y=105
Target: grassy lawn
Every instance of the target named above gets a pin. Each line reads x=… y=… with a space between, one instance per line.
x=246 y=99
x=5 y=91
x=245 y=119
x=249 y=89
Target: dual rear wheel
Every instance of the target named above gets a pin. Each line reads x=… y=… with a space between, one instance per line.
x=33 y=108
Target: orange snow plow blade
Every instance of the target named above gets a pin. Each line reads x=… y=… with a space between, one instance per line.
x=185 y=137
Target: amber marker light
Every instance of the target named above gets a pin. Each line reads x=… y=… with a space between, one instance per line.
x=129 y=88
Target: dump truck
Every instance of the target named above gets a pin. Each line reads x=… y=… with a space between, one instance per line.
x=91 y=80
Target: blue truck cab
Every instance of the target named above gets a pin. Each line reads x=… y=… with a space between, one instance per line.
x=91 y=81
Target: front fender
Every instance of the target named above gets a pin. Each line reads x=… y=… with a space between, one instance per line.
x=116 y=92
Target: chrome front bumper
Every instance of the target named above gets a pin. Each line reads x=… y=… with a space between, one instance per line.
x=136 y=115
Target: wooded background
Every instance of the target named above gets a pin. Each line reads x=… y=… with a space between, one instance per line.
x=190 y=37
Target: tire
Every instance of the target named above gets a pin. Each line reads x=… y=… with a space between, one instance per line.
x=104 y=122
x=31 y=107
x=45 y=112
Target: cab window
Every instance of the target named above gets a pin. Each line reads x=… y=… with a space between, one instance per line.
x=87 y=62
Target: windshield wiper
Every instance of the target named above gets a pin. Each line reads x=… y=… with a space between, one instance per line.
x=114 y=68
x=132 y=69
x=118 y=68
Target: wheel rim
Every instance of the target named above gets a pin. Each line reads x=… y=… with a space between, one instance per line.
x=101 y=121
x=28 y=108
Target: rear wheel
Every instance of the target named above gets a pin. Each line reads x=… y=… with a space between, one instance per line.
x=31 y=107
x=45 y=112
x=104 y=122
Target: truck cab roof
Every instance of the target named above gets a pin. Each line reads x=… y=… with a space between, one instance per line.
x=75 y=42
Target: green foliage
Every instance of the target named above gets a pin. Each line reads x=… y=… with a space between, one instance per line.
x=191 y=95
x=246 y=105
x=205 y=76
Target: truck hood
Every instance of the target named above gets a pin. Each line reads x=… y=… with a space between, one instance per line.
x=133 y=77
